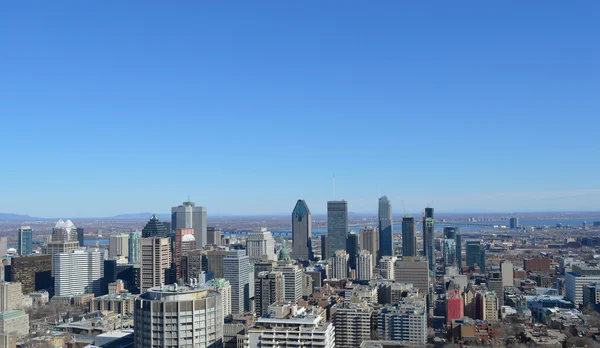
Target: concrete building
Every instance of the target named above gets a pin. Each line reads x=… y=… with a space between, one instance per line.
x=236 y=269
x=369 y=240
x=339 y=265
x=134 y=246
x=405 y=322
x=120 y=303
x=352 y=322
x=188 y=215
x=213 y=235
x=3 y=245
x=487 y=306
x=337 y=226
x=514 y=223
x=364 y=262
x=386 y=267
x=268 y=289
x=223 y=287
x=53 y=248
x=24 y=240
x=386 y=227
x=409 y=241
x=260 y=245
x=156 y=262
x=475 y=254
x=14 y=322
x=301 y=232
x=574 y=283
x=184 y=242
x=428 y=237
x=118 y=245
x=11 y=296
x=292 y=281
x=537 y=264
x=507 y=270
x=178 y=316
x=33 y=272
x=78 y=272
x=415 y=271
x=591 y=295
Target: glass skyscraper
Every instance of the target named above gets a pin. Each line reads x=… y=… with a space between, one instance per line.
x=352 y=249
x=134 y=247
x=409 y=247
x=301 y=232
x=155 y=228
x=24 y=240
x=428 y=228
x=386 y=228
x=337 y=226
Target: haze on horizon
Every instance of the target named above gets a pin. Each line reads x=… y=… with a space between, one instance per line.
x=111 y=108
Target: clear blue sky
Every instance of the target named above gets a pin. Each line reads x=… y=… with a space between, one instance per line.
x=112 y=107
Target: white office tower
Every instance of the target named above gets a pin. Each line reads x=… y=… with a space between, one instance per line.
x=292 y=281
x=178 y=316
x=188 y=215
x=386 y=267
x=236 y=269
x=223 y=287
x=364 y=264
x=78 y=272
x=339 y=265
x=290 y=326
x=260 y=243
x=352 y=322
x=574 y=283
x=405 y=323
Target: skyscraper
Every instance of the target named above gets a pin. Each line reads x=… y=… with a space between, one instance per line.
x=268 y=289
x=339 y=265
x=155 y=228
x=409 y=247
x=118 y=245
x=188 y=215
x=80 y=237
x=337 y=226
x=213 y=235
x=459 y=262
x=364 y=265
x=475 y=254
x=292 y=281
x=514 y=223
x=134 y=247
x=386 y=227
x=33 y=272
x=184 y=243
x=324 y=249
x=156 y=261
x=301 y=232
x=79 y=271
x=64 y=231
x=369 y=240
x=236 y=269
x=428 y=230
x=352 y=249
x=260 y=244
x=24 y=240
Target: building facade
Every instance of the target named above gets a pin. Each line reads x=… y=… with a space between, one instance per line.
x=155 y=263
x=24 y=240
x=364 y=262
x=134 y=247
x=188 y=215
x=292 y=281
x=260 y=245
x=337 y=226
x=268 y=289
x=339 y=265
x=428 y=237
x=301 y=232
x=33 y=272
x=409 y=242
x=236 y=269
x=386 y=227
x=78 y=272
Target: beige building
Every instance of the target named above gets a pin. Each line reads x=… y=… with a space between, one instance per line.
x=156 y=260
x=119 y=245
x=369 y=240
x=14 y=322
x=386 y=267
x=364 y=264
x=487 y=305
x=415 y=271
x=352 y=322
x=223 y=287
x=339 y=265
x=121 y=303
x=11 y=296
x=60 y=247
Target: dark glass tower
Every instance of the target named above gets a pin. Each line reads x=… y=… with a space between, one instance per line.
x=428 y=228
x=80 y=235
x=386 y=227
x=352 y=249
x=458 y=250
x=409 y=247
x=337 y=226
x=24 y=240
x=475 y=254
x=324 y=251
x=301 y=232
x=154 y=228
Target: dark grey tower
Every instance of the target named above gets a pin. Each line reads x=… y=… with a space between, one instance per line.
x=80 y=235
x=386 y=228
x=428 y=228
x=301 y=232
x=154 y=228
x=352 y=249
x=409 y=247
x=337 y=226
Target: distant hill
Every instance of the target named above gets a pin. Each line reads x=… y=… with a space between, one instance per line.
x=16 y=217
x=142 y=216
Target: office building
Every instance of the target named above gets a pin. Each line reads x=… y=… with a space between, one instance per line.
x=514 y=223
x=64 y=231
x=324 y=249
x=352 y=249
x=574 y=283
x=155 y=229
x=337 y=226
x=449 y=253
x=301 y=232
x=190 y=316
x=33 y=272
x=386 y=267
x=415 y=271
x=352 y=322
x=14 y=322
x=455 y=305
x=24 y=240
x=80 y=236
x=183 y=244
x=60 y=247
x=475 y=254
x=507 y=270
x=537 y=264
x=292 y=281
x=495 y=284
x=591 y=296
x=236 y=269
x=339 y=265
x=188 y=215
x=290 y=326
x=487 y=306
x=3 y=245
x=404 y=323
x=223 y=287
x=78 y=272
x=11 y=296
x=409 y=242
x=459 y=262
x=369 y=240
x=214 y=261
x=260 y=245
x=156 y=262
x=364 y=262
x=268 y=289
x=428 y=237
x=213 y=235
x=386 y=227
x=134 y=245
x=118 y=245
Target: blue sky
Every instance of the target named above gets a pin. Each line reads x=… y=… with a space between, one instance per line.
x=120 y=107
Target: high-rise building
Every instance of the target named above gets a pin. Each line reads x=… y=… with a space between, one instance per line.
x=337 y=226
x=118 y=245
x=236 y=269
x=80 y=236
x=11 y=296
x=404 y=322
x=223 y=287
x=33 y=272
x=53 y=248
x=213 y=235
x=301 y=232
x=64 y=231
x=409 y=247
x=364 y=262
x=184 y=243
x=428 y=237
x=339 y=265
x=514 y=223
x=352 y=322
x=156 y=262
x=475 y=254
x=260 y=244
x=15 y=323
x=369 y=240
x=574 y=283
x=155 y=229
x=386 y=267
x=415 y=271
x=292 y=281
x=3 y=245
x=386 y=227
x=507 y=269
x=79 y=271
x=324 y=251
x=459 y=262
x=455 y=305
x=24 y=240
x=214 y=261
x=268 y=289
x=134 y=247
x=352 y=249
x=487 y=306
x=449 y=252
x=194 y=317
x=188 y=215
